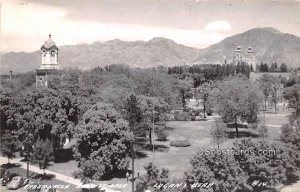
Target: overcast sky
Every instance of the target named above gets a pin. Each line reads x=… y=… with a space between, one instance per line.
x=25 y=24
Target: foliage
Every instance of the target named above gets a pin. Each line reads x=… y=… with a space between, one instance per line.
x=218 y=132
x=204 y=92
x=266 y=166
x=185 y=87
x=153 y=112
x=237 y=100
x=133 y=115
x=6 y=100
x=116 y=91
x=161 y=132
x=42 y=153
x=103 y=142
x=9 y=145
x=153 y=177
x=221 y=170
x=283 y=67
x=270 y=86
x=44 y=113
x=292 y=94
x=291 y=135
x=180 y=143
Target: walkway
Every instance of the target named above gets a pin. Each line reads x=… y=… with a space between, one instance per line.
x=58 y=176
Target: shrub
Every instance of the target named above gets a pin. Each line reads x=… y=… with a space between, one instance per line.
x=161 y=133
x=180 y=143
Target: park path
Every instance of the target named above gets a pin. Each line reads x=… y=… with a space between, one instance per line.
x=58 y=176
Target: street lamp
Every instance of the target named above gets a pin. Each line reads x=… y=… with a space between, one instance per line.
x=133 y=178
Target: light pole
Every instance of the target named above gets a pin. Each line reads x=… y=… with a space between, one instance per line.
x=132 y=180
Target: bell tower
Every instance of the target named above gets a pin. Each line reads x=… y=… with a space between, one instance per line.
x=49 y=64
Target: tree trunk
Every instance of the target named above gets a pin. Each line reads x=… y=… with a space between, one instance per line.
x=204 y=109
x=265 y=105
x=236 y=127
x=150 y=136
x=183 y=100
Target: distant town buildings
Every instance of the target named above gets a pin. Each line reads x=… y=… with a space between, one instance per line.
x=49 y=62
x=247 y=57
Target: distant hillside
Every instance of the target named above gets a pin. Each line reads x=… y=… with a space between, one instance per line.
x=268 y=44
x=158 y=51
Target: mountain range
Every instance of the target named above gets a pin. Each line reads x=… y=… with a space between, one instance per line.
x=268 y=45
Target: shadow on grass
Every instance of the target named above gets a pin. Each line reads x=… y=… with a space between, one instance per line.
x=242 y=133
x=232 y=125
x=160 y=148
x=10 y=165
x=63 y=155
x=140 y=155
x=43 y=176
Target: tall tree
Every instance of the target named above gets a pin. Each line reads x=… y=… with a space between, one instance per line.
x=204 y=93
x=218 y=132
x=153 y=113
x=9 y=145
x=233 y=101
x=42 y=152
x=134 y=115
x=185 y=86
x=283 y=68
x=103 y=142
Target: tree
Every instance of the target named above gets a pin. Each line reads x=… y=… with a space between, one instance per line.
x=103 y=142
x=221 y=170
x=6 y=101
x=218 y=132
x=204 y=92
x=259 y=161
x=237 y=100
x=153 y=111
x=292 y=95
x=283 y=68
x=291 y=135
x=42 y=152
x=184 y=87
x=154 y=177
x=133 y=115
x=270 y=86
x=9 y=145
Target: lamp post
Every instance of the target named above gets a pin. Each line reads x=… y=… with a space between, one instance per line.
x=133 y=178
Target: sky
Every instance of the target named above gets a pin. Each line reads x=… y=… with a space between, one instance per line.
x=26 y=24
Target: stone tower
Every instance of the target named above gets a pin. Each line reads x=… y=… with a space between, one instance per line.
x=238 y=56
x=49 y=64
x=250 y=59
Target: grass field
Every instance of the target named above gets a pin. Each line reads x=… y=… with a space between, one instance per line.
x=177 y=160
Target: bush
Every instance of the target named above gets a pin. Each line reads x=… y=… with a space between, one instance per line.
x=162 y=134
x=180 y=143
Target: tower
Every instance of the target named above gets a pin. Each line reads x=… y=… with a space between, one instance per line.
x=238 y=57
x=49 y=64
x=250 y=59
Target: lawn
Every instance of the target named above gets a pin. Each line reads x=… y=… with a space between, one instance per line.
x=177 y=160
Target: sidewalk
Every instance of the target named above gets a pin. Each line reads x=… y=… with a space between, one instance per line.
x=58 y=176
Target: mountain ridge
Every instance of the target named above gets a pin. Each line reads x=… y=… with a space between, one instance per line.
x=268 y=44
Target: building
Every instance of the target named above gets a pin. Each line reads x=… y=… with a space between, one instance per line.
x=248 y=57
x=49 y=63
